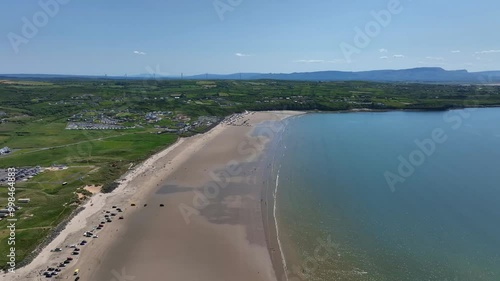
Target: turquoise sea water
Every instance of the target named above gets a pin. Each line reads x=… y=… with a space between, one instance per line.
x=441 y=223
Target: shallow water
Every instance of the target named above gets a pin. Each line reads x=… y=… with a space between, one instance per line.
x=438 y=220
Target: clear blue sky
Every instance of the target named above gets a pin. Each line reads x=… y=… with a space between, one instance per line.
x=189 y=36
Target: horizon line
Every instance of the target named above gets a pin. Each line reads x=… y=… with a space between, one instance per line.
x=236 y=73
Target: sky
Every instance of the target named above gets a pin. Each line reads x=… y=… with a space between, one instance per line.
x=169 y=37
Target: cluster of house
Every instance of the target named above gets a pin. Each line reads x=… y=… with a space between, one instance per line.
x=2 y=114
x=5 y=150
x=155 y=116
x=295 y=99
x=182 y=117
x=93 y=126
x=102 y=121
x=182 y=127
x=94 y=120
x=7 y=210
x=22 y=174
x=209 y=86
x=108 y=120
x=206 y=121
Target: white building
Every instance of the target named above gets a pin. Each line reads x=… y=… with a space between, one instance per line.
x=4 y=150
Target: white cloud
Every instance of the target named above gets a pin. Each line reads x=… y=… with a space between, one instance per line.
x=383 y=50
x=488 y=52
x=435 y=58
x=310 y=61
x=139 y=53
x=241 y=55
x=384 y=57
x=456 y=51
x=398 y=56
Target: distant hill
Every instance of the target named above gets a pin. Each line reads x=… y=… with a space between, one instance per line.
x=422 y=75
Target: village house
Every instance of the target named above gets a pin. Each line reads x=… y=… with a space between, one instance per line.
x=5 y=150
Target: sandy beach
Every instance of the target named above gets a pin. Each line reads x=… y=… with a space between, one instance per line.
x=195 y=211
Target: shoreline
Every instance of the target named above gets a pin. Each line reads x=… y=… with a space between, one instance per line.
x=360 y=110
x=270 y=206
x=276 y=223
x=150 y=174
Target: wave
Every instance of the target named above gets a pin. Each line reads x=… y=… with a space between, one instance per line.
x=275 y=199
x=275 y=196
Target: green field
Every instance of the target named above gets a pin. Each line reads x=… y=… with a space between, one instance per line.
x=93 y=157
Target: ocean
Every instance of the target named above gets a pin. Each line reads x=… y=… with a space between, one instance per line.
x=389 y=195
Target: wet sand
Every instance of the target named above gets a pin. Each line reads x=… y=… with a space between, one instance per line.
x=211 y=226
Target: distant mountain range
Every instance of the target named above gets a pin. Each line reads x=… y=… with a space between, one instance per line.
x=423 y=75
